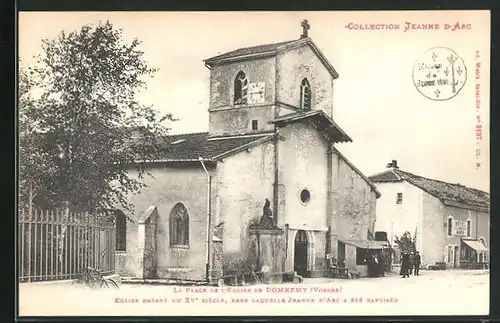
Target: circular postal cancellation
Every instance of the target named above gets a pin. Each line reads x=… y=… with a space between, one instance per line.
x=439 y=74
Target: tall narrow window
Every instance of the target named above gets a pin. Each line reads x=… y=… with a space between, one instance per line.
x=240 y=88
x=179 y=226
x=450 y=225
x=468 y=227
x=399 y=198
x=305 y=95
x=121 y=231
x=255 y=125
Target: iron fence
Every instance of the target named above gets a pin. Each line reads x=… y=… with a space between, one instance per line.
x=59 y=244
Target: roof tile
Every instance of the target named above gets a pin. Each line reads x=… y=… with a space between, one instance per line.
x=385 y=177
x=446 y=192
x=251 y=50
x=191 y=146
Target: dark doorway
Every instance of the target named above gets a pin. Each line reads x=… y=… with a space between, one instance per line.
x=341 y=254
x=300 y=254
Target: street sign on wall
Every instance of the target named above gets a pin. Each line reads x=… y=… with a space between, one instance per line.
x=460 y=227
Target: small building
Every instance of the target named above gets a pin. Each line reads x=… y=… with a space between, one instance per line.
x=265 y=189
x=451 y=221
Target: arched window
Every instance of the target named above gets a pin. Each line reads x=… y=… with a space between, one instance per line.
x=450 y=225
x=468 y=228
x=240 y=88
x=121 y=231
x=179 y=226
x=305 y=95
x=482 y=241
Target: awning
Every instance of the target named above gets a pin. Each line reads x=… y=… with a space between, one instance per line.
x=368 y=244
x=476 y=245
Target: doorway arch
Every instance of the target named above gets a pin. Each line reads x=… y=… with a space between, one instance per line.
x=302 y=253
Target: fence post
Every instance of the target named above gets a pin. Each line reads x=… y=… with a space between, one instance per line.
x=46 y=226
x=30 y=210
x=52 y=236
x=22 y=235
x=85 y=234
x=35 y=253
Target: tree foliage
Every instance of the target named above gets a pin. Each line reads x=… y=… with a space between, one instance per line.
x=406 y=242
x=89 y=127
x=34 y=163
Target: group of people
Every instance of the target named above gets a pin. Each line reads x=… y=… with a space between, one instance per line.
x=410 y=264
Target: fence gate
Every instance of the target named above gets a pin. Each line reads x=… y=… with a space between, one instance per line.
x=58 y=244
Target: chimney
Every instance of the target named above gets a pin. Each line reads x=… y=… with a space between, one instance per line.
x=393 y=164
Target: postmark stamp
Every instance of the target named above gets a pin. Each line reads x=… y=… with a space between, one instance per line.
x=439 y=73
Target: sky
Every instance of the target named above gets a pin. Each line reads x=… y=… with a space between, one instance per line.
x=375 y=99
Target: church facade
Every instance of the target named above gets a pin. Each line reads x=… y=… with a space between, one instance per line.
x=265 y=188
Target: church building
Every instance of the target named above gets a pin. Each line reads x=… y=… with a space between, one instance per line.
x=265 y=188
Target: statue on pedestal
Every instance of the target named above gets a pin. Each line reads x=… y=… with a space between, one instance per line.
x=267 y=219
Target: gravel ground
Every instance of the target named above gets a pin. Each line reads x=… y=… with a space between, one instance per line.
x=459 y=292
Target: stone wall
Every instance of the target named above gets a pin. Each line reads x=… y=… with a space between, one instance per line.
x=435 y=223
x=217 y=262
x=244 y=181
x=395 y=218
x=169 y=185
x=150 y=262
x=239 y=120
x=354 y=204
x=303 y=165
x=225 y=116
x=353 y=208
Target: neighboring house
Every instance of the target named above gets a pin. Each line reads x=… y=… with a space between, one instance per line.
x=271 y=137
x=451 y=220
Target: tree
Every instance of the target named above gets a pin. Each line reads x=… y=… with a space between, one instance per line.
x=34 y=165
x=406 y=242
x=87 y=121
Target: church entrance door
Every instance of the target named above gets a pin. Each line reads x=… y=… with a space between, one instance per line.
x=300 y=254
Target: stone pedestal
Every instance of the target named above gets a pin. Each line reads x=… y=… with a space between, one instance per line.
x=267 y=252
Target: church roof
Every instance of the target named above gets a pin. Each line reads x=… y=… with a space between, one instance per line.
x=191 y=146
x=320 y=121
x=269 y=50
x=450 y=194
x=259 y=49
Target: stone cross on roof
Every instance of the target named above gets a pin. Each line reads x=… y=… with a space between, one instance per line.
x=305 y=26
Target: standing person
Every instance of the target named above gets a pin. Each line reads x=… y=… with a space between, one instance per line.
x=405 y=265
x=381 y=265
x=402 y=270
x=416 y=262
x=410 y=263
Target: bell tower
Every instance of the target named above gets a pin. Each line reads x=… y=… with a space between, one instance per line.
x=251 y=86
x=242 y=95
